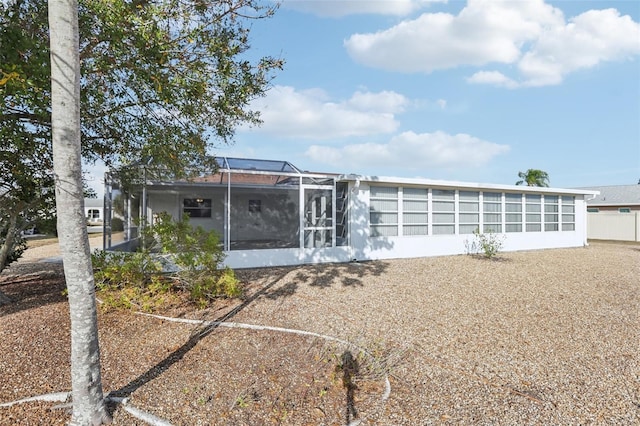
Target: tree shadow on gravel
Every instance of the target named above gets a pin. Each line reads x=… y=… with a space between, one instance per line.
x=196 y=336
x=350 y=369
x=31 y=285
x=345 y=274
x=314 y=275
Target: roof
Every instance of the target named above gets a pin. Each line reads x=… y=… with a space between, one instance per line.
x=229 y=163
x=251 y=172
x=616 y=195
x=274 y=172
x=434 y=183
x=93 y=202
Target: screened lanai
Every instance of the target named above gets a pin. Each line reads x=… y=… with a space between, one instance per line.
x=252 y=204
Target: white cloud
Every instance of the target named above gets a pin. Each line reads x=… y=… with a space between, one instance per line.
x=588 y=39
x=339 y=8
x=311 y=114
x=413 y=151
x=492 y=77
x=485 y=31
x=530 y=34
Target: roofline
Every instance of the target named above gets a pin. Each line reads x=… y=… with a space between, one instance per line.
x=605 y=204
x=466 y=185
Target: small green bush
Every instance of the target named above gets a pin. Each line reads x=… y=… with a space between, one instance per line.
x=174 y=257
x=487 y=244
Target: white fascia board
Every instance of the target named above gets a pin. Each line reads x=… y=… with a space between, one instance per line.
x=463 y=185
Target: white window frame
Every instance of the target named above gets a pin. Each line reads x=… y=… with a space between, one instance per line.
x=490 y=226
x=568 y=211
x=403 y=213
x=436 y=212
x=550 y=202
x=464 y=201
x=510 y=201
x=529 y=224
x=374 y=227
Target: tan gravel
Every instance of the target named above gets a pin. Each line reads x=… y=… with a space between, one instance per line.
x=532 y=338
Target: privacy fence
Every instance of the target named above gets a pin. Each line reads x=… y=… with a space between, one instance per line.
x=614 y=226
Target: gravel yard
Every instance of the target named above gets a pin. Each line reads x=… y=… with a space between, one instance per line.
x=531 y=338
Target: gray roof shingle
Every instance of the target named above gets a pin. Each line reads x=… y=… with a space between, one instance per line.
x=615 y=195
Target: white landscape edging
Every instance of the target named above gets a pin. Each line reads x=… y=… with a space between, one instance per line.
x=156 y=421
x=387 y=384
x=66 y=396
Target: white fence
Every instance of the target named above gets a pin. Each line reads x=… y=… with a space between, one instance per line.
x=613 y=226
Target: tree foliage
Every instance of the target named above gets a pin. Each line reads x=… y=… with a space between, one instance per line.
x=163 y=82
x=533 y=177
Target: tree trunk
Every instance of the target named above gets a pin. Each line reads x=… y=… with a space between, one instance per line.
x=8 y=240
x=86 y=382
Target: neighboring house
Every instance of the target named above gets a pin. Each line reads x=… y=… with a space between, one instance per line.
x=94 y=211
x=615 y=198
x=270 y=213
x=614 y=214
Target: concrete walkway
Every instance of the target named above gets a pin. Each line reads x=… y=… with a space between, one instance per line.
x=51 y=252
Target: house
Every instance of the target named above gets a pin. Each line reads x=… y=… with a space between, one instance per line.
x=615 y=198
x=93 y=211
x=271 y=213
x=614 y=214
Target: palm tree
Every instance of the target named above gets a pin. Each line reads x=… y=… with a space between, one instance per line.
x=533 y=177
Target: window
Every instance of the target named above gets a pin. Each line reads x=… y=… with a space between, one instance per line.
x=513 y=212
x=469 y=212
x=383 y=211
x=593 y=210
x=415 y=211
x=444 y=206
x=551 y=213
x=197 y=207
x=255 y=206
x=93 y=214
x=492 y=212
x=624 y=210
x=533 y=211
x=569 y=213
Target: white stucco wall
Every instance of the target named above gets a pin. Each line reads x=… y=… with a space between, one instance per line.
x=362 y=246
x=371 y=248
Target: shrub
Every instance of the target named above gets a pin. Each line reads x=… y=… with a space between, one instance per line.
x=117 y=225
x=488 y=244
x=18 y=246
x=174 y=257
x=47 y=225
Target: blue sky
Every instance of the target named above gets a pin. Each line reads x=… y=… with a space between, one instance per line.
x=471 y=90
x=460 y=90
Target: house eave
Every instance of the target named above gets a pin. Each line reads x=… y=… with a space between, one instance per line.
x=435 y=183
